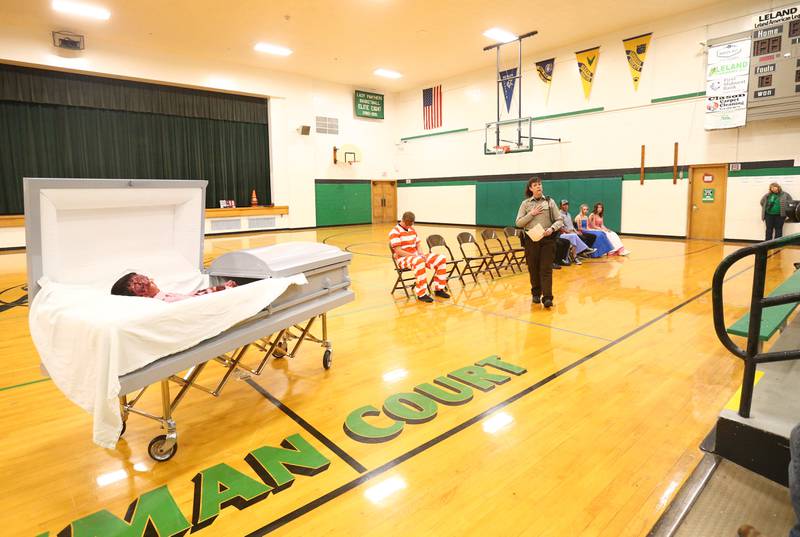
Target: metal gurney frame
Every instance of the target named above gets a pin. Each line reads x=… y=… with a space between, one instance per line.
x=278 y=323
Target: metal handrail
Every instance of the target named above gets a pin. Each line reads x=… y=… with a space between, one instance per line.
x=751 y=354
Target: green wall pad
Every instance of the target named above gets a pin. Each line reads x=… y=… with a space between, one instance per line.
x=497 y=202
x=343 y=203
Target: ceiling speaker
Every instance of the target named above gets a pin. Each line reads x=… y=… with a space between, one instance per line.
x=68 y=41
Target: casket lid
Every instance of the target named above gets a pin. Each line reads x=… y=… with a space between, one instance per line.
x=278 y=260
x=79 y=231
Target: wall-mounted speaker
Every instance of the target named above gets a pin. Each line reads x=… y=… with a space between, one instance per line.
x=68 y=41
x=305 y=130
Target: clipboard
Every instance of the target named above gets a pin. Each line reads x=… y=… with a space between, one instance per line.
x=535 y=233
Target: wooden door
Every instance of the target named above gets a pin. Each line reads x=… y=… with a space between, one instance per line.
x=384 y=202
x=708 y=185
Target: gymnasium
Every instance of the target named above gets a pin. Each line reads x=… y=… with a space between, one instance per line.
x=384 y=267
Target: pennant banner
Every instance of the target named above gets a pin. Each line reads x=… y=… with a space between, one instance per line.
x=636 y=50
x=545 y=70
x=587 y=65
x=509 y=78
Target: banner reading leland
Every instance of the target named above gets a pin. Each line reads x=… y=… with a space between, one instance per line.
x=726 y=85
x=636 y=50
x=587 y=66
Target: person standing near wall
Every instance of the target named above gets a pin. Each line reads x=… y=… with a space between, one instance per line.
x=538 y=209
x=773 y=210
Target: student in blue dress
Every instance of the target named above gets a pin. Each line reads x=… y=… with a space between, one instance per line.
x=602 y=245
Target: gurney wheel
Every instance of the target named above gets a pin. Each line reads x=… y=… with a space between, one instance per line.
x=327 y=358
x=155 y=451
x=281 y=350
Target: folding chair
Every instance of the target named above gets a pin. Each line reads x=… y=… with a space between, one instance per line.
x=499 y=250
x=475 y=264
x=514 y=241
x=402 y=277
x=453 y=270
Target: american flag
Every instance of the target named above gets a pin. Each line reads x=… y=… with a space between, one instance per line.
x=432 y=107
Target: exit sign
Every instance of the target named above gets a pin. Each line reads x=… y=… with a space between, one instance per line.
x=368 y=104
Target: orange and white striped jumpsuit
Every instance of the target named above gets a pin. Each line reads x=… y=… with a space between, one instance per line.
x=406 y=239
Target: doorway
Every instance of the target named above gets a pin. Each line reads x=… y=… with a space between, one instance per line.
x=707 y=188
x=384 y=202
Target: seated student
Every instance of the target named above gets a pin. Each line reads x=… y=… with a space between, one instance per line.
x=133 y=284
x=602 y=245
x=580 y=242
x=596 y=222
x=405 y=245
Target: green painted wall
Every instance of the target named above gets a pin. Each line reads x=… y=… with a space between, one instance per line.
x=343 y=203
x=497 y=202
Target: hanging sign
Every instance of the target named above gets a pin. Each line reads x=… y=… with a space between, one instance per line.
x=636 y=50
x=368 y=104
x=726 y=85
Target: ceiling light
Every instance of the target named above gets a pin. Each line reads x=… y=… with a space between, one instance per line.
x=388 y=73
x=83 y=10
x=499 y=35
x=277 y=50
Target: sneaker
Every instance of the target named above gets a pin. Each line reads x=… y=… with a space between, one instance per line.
x=564 y=263
x=441 y=293
x=625 y=252
x=589 y=251
x=746 y=530
x=548 y=303
x=425 y=298
x=577 y=262
x=556 y=266
x=536 y=300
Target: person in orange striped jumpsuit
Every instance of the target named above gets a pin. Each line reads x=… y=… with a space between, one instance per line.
x=405 y=245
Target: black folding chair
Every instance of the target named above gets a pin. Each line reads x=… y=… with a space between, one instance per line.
x=403 y=279
x=453 y=270
x=514 y=242
x=498 y=250
x=475 y=264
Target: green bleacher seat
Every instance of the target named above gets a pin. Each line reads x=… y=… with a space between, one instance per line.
x=774 y=317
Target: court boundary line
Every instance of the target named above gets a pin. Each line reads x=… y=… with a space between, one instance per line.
x=335 y=493
x=23 y=384
x=313 y=431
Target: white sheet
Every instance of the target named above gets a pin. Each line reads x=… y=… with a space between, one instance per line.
x=88 y=338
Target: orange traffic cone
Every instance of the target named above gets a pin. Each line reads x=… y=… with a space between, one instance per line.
x=253 y=199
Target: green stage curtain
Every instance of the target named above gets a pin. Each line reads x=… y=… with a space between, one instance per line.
x=26 y=85
x=42 y=140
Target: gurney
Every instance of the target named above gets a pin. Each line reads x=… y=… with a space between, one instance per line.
x=78 y=229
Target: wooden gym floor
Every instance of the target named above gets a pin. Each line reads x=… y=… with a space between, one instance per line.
x=624 y=379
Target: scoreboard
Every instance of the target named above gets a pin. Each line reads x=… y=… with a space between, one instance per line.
x=774 y=78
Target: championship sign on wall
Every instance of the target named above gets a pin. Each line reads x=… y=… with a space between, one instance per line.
x=636 y=50
x=587 y=66
x=726 y=85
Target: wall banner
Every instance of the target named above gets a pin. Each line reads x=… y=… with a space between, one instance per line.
x=726 y=85
x=587 y=66
x=544 y=69
x=636 y=50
